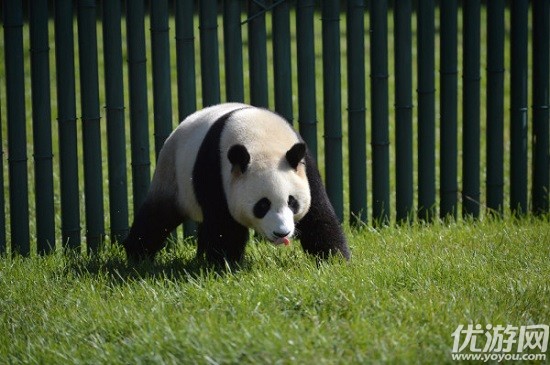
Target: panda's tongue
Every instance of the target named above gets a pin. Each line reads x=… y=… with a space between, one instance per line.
x=285 y=241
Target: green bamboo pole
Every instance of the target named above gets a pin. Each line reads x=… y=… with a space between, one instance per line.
x=403 y=110
x=281 y=61
x=355 y=35
x=541 y=122
x=185 y=61
x=66 y=108
x=495 y=105
x=89 y=86
x=518 y=144
x=233 y=45
x=379 y=109
x=116 y=134
x=210 y=69
x=257 y=54
x=17 y=140
x=307 y=109
x=426 y=110
x=162 y=93
x=42 y=126
x=471 y=107
x=137 y=75
x=332 y=104
x=185 y=57
x=448 y=104
x=3 y=247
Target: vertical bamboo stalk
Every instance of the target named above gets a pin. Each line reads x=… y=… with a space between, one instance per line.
x=518 y=144
x=495 y=105
x=17 y=139
x=448 y=130
x=185 y=56
x=89 y=86
x=379 y=108
x=116 y=134
x=471 y=119
x=281 y=61
x=233 y=45
x=307 y=111
x=355 y=19
x=162 y=91
x=210 y=69
x=66 y=108
x=541 y=133
x=426 y=110
x=3 y=247
x=332 y=104
x=403 y=110
x=42 y=126
x=185 y=60
x=137 y=82
x=257 y=54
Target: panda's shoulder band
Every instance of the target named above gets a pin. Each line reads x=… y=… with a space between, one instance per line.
x=226 y=116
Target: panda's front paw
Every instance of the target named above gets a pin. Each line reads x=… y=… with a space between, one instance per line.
x=136 y=252
x=222 y=258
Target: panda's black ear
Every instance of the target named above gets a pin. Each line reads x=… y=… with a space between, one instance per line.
x=239 y=157
x=296 y=154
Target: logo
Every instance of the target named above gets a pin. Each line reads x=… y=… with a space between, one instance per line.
x=500 y=343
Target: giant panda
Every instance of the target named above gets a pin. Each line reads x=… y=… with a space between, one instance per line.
x=231 y=167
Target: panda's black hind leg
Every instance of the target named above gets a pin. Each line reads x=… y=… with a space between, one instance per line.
x=152 y=224
x=319 y=231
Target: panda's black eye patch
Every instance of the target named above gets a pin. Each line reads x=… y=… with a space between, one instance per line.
x=261 y=208
x=293 y=204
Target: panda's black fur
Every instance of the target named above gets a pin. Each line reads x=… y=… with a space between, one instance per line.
x=220 y=236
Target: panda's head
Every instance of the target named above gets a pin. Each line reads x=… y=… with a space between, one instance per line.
x=268 y=192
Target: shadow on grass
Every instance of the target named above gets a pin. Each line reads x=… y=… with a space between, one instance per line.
x=175 y=264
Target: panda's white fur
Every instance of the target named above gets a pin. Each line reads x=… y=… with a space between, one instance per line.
x=268 y=175
x=186 y=185
x=177 y=157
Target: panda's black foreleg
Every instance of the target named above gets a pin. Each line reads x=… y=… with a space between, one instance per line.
x=319 y=231
x=152 y=224
x=221 y=240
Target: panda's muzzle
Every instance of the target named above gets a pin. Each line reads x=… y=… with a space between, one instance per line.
x=281 y=238
x=281 y=235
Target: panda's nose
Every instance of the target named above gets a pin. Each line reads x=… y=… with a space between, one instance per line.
x=281 y=234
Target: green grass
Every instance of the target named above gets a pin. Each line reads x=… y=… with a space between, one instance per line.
x=398 y=301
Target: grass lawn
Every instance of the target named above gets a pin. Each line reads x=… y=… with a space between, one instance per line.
x=398 y=301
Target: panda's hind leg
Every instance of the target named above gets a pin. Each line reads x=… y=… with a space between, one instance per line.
x=152 y=224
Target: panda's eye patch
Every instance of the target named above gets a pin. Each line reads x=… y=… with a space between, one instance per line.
x=261 y=208
x=293 y=204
